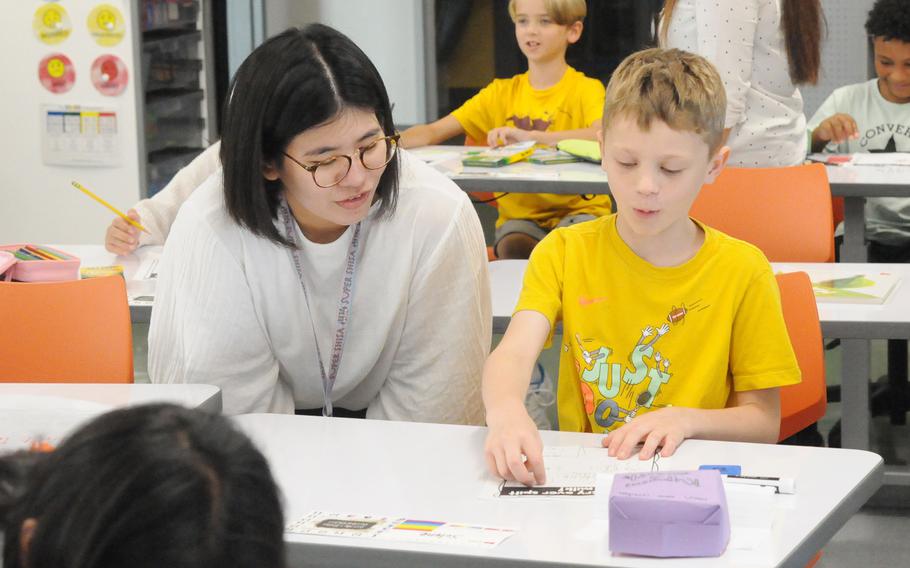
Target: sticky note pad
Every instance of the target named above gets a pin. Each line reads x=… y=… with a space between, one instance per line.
x=669 y=514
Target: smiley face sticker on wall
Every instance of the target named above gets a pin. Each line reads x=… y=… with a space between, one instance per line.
x=56 y=73
x=109 y=75
x=51 y=23
x=105 y=23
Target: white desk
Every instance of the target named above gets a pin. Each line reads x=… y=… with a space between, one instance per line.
x=431 y=471
x=52 y=410
x=854 y=324
x=140 y=290
x=853 y=183
x=521 y=177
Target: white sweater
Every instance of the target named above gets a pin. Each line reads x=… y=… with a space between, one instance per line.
x=743 y=39
x=229 y=309
x=158 y=212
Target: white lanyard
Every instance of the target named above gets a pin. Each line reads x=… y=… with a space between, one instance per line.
x=344 y=304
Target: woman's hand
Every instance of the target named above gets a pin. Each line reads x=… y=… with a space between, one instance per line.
x=121 y=237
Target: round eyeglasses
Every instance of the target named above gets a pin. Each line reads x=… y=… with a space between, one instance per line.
x=374 y=156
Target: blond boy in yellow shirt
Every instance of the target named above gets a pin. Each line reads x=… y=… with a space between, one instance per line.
x=671 y=329
x=549 y=103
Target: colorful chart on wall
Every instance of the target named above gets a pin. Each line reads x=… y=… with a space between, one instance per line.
x=105 y=23
x=51 y=23
x=109 y=75
x=74 y=135
x=56 y=73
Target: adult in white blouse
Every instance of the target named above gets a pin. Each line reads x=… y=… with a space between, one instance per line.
x=763 y=49
x=321 y=270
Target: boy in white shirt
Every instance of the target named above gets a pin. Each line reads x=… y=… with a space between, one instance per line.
x=874 y=116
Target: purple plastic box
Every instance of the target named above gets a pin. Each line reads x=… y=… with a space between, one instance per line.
x=669 y=513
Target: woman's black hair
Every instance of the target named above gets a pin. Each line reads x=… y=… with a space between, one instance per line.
x=889 y=20
x=143 y=487
x=294 y=81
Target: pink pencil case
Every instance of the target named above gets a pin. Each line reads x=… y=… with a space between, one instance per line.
x=67 y=268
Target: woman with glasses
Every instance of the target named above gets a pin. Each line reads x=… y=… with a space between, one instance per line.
x=321 y=270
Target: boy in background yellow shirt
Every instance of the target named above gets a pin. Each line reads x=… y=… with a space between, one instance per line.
x=549 y=103
x=671 y=329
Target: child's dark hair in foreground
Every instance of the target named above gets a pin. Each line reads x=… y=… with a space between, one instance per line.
x=147 y=486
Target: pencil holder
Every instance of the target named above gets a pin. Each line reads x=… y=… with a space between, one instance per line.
x=39 y=263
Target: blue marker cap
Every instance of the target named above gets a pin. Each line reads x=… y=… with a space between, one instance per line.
x=724 y=469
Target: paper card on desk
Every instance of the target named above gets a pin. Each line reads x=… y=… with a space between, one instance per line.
x=437 y=532
x=148 y=270
x=545 y=156
x=399 y=529
x=881 y=159
x=339 y=524
x=435 y=155
x=867 y=288
x=573 y=471
x=496 y=157
x=142 y=300
x=509 y=174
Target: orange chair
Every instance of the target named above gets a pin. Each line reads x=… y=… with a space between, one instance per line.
x=786 y=212
x=803 y=404
x=66 y=332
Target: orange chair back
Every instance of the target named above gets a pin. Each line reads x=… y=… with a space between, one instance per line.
x=804 y=403
x=786 y=212
x=66 y=332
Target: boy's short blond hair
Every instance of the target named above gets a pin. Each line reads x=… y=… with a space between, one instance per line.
x=563 y=12
x=676 y=87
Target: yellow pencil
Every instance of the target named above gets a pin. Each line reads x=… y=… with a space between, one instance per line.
x=119 y=213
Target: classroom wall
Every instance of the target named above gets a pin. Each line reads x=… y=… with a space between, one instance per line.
x=245 y=30
x=37 y=203
x=845 y=53
x=390 y=32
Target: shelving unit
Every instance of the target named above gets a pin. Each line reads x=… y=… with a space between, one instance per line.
x=176 y=96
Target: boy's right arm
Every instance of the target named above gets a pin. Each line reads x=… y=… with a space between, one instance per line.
x=433 y=133
x=513 y=448
x=837 y=128
x=831 y=124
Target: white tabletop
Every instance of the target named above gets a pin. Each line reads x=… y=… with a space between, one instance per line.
x=521 y=177
x=589 y=178
x=890 y=320
x=437 y=472
x=52 y=410
x=139 y=269
x=869 y=181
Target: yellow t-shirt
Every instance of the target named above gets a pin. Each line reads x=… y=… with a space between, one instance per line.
x=574 y=102
x=638 y=337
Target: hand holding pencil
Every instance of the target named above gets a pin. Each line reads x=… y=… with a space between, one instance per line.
x=123 y=235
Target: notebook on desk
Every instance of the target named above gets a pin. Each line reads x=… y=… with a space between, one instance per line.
x=868 y=288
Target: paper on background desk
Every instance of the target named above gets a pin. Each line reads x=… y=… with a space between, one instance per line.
x=435 y=156
x=881 y=159
x=141 y=287
x=572 y=471
x=320 y=523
